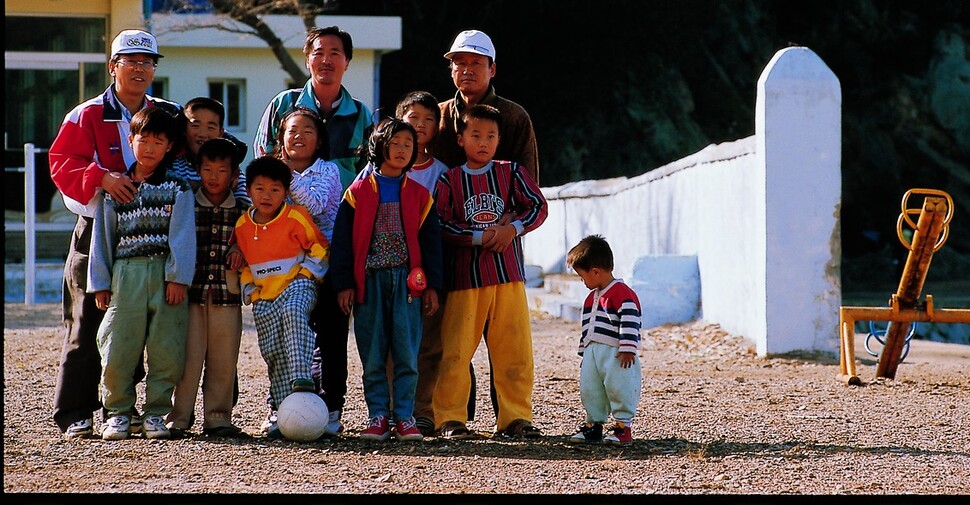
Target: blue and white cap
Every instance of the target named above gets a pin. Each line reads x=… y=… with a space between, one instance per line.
x=472 y=41
x=135 y=42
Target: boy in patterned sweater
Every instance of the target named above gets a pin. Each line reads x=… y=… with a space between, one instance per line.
x=487 y=281
x=141 y=264
x=609 y=374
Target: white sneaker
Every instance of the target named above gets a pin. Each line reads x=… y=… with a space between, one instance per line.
x=116 y=428
x=81 y=429
x=334 y=427
x=154 y=427
x=270 y=426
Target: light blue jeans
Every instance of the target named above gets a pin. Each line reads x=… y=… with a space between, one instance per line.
x=388 y=323
x=607 y=388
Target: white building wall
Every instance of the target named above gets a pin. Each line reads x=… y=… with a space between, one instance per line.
x=194 y=56
x=761 y=214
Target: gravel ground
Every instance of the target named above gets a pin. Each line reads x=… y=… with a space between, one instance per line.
x=714 y=420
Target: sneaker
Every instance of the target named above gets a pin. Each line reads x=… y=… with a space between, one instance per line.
x=136 y=422
x=378 y=429
x=425 y=425
x=334 y=427
x=588 y=434
x=619 y=435
x=270 y=428
x=116 y=428
x=304 y=386
x=154 y=427
x=407 y=430
x=81 y=429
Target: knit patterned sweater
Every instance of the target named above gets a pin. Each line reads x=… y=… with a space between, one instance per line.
x=160 y=220
x=611 y=316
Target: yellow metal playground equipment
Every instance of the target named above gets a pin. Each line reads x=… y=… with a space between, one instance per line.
x=931 y=231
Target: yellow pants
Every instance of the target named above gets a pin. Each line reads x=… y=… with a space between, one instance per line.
x=506 y=309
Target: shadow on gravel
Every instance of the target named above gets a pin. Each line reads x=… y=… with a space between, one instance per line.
x=556 y=448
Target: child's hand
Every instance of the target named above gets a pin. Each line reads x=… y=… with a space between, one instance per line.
x=235 y=260
x=430 y=300
x=506 y=218
x=175 y=293
x=345 y=299
x=102 y=299
x=626 y=359
x=499 y=239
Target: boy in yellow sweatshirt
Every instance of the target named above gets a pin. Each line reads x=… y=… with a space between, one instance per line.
x=286 y=254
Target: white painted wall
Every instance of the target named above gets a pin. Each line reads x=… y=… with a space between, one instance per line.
x=761 y=215
x=798 y=124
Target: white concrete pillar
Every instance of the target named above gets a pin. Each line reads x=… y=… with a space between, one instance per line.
x=798 y=125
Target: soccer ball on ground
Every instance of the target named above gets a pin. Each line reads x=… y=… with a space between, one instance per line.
x=302 y=416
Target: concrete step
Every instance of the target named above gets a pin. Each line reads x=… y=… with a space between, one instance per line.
x=560 y=295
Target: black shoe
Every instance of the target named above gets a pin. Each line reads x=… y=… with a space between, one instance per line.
x=588 y=434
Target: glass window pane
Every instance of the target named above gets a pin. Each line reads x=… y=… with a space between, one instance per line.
x=232 y=104
x=55 y=34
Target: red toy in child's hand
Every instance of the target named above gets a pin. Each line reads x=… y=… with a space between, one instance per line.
x=417 y=280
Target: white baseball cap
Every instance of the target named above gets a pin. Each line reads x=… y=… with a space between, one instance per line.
x=134 y=42
x=472 y=41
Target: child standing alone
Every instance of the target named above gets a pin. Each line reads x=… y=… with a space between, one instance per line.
x=386 y=238
x=609 y=374
x=141 y=264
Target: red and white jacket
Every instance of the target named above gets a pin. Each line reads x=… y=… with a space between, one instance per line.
x=93 y=139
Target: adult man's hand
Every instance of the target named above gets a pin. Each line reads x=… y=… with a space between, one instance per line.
x=119 y=186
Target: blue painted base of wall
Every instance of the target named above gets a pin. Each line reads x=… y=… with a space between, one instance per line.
x=669 y=288
x=48 y=278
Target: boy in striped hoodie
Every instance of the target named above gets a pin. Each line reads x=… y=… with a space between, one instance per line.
x=609 y=375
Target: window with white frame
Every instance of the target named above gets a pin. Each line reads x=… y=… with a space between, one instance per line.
x=159 y=87
x=232 y=94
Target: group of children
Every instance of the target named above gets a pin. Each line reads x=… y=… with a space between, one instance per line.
x=173 y=268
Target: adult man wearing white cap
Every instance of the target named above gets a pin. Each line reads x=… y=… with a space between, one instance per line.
x=472 y=58
x=91 y=153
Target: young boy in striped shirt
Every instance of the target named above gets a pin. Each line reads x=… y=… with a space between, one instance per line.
x=487 y=278
x=609 y=375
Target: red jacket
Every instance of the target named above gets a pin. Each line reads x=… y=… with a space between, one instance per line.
x=89 y=143
x=355 y=225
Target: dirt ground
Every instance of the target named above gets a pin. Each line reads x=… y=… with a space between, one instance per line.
x=714 y=419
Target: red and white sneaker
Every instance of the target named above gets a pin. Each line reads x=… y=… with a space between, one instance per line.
x=619 y=435
x=407 y=430
x=378 y=429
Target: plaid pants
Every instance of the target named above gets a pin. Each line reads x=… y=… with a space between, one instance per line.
x=285 y=338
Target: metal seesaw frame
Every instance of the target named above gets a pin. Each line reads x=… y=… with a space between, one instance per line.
x=931 y=232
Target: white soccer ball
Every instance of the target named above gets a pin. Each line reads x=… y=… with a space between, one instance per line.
x=302 y=416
